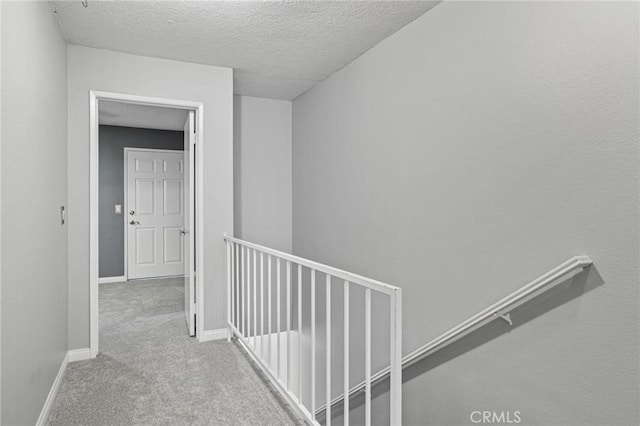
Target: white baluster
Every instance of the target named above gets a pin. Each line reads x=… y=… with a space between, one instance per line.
x=237 y=288
x=328 y=356
x=367 y=357
x=255 y=300
x=313 y=343
x=346 y=353
x=262 y=345
x=242 y=267
x=269 y=311
x=278 y=297
x=229 y=289
x=248 y=335
x=287 y=358
x=300 y=334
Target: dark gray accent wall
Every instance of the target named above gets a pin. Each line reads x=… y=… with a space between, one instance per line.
x=113 y=141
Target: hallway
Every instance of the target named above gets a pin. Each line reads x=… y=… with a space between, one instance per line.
x=149 y=371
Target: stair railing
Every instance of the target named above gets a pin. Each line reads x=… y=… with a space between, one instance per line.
x=499 y=310
x=265 y=331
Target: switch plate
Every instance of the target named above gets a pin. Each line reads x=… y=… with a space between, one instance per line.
x=118 y=209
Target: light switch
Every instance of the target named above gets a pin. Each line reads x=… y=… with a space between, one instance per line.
x=118 y=209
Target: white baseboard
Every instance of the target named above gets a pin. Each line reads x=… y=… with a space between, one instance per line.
x=48 y=403
x=71 y=356
x=207 y=335
x=79 y=354
x=107 y=280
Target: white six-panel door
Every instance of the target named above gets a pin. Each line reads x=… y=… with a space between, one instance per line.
x=155 y=213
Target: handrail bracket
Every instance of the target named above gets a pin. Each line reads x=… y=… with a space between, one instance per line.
x=506 y=317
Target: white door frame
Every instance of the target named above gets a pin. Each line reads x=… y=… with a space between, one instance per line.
x=198 y=107
x=125 y=202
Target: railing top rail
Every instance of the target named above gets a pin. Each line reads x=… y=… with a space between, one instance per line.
x=339 y=273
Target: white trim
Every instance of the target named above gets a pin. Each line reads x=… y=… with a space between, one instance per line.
x=93 y=223
x=94 y=97
x=125 y=216
x=134 y=280
x=53 y=392
x=107 y=280
x=79 y=354
x=71 y=356
x=199 y=235
x=218 y=334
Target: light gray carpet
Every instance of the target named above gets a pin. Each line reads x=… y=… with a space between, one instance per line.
x=149 y=371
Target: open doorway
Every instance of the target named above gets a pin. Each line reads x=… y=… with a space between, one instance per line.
x=144 y=206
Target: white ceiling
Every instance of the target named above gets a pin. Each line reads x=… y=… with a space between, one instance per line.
x=143 y=116
x=279 y=49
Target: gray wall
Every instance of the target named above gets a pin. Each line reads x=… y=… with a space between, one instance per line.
x=34 y=186
x=113 y=140
x=467 y=154
x=94 y=69
x=262 y=171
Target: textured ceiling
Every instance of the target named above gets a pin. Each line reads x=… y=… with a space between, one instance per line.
x=143 y=116
x=279 y=49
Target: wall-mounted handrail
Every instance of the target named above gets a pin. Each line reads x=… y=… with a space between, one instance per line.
x=500 y=309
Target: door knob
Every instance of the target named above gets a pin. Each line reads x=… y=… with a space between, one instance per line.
x=134 y=222
x=131 y=212
x=184 y=231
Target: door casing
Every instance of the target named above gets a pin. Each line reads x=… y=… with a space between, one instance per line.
x=198 y=108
